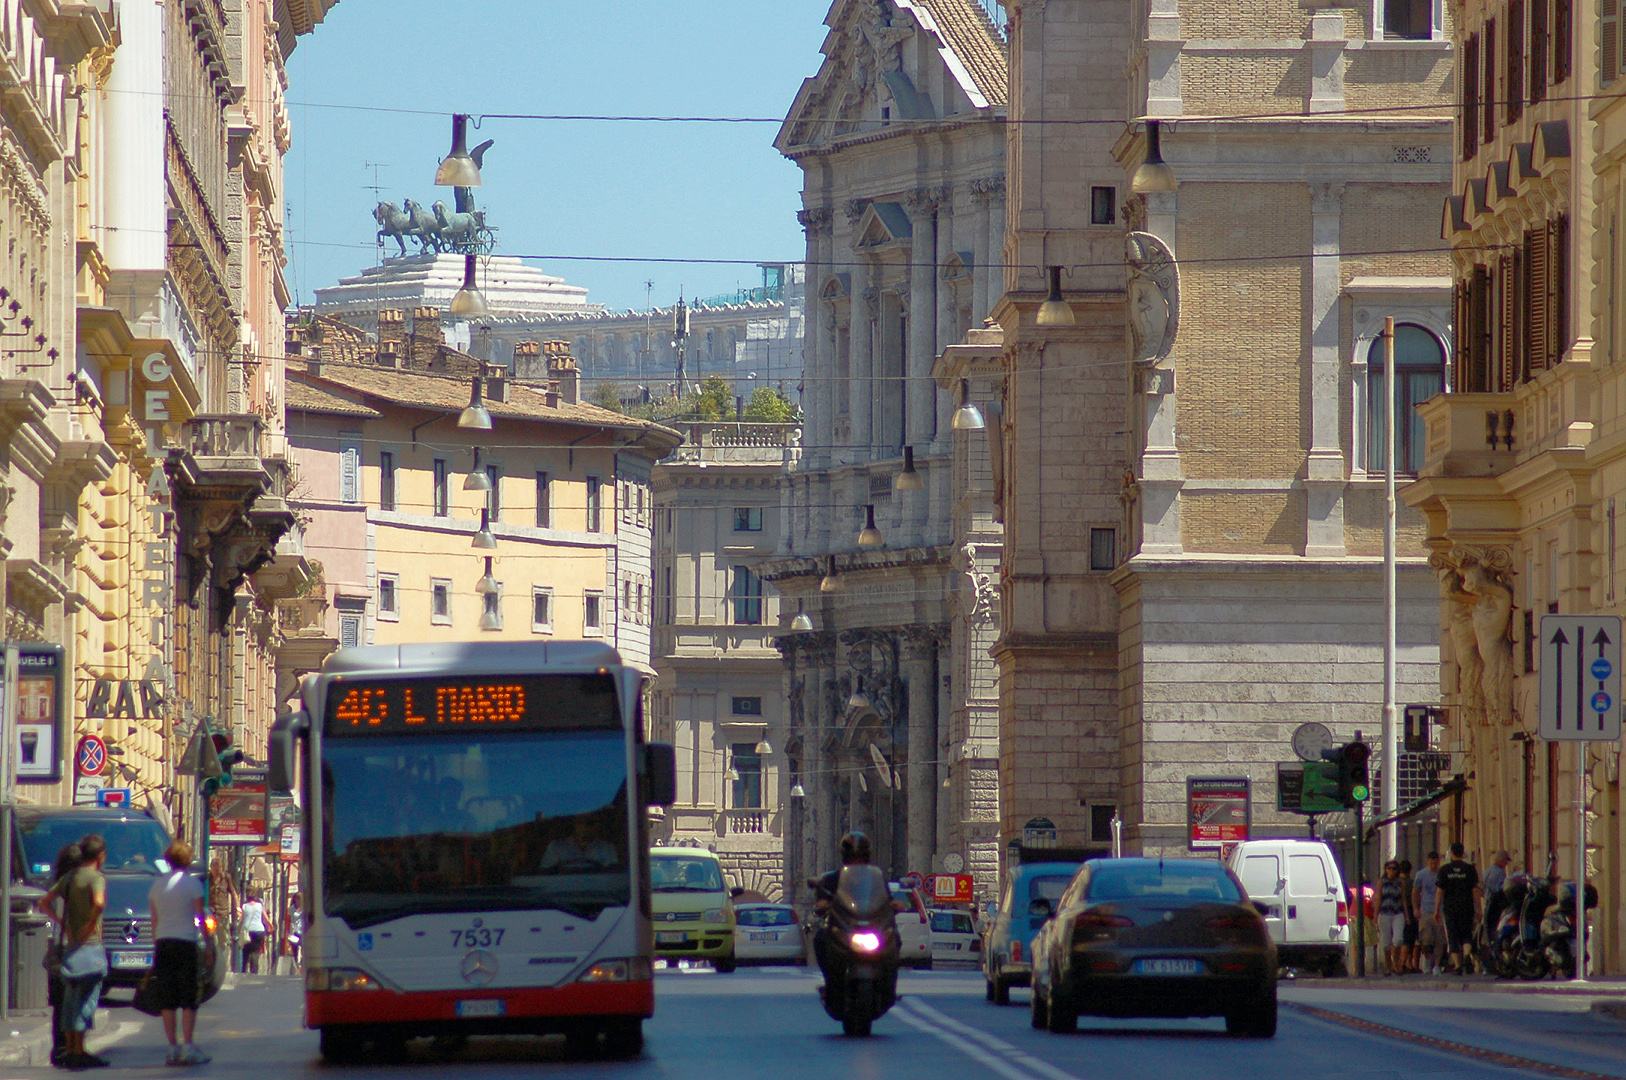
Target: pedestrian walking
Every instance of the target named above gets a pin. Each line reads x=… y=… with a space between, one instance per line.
x=176 y=900
x=253 y=921
x=1458 y=883
x=1391 y=916
x=67 y=861
x=1408 y=943
x=1496 y=873
x=83 y=897
x=1430 y=937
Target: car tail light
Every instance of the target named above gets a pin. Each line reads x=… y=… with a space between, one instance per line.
x=209 y=924
x=867 y=941
x=1016 y=952
x=1343 y=913
x=1100 y=920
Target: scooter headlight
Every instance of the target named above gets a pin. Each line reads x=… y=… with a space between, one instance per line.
x=867 y=941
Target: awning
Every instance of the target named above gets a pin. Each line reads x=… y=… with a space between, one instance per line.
x=1455 y=786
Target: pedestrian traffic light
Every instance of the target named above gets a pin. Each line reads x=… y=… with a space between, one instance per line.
x=1354 y=785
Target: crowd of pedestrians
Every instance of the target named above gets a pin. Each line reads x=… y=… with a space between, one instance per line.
x=1426 y=921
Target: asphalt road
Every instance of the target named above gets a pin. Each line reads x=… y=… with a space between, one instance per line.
x=767 y=1022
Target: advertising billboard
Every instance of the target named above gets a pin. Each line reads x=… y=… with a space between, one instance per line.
x=1218 y=811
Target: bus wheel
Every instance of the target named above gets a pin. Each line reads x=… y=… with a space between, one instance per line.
x=624 y=1038
x=339 y=1047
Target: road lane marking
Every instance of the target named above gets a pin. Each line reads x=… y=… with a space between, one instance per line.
x=917 y=1013
x=1496 y=1057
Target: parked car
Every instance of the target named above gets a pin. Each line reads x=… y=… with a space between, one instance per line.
x=690 y=906
x=136 y=843
x=914 y=928
x=954 y=938
x=767 y=934
x=1303 y=893
x=1011 y=927
x=1154 y=937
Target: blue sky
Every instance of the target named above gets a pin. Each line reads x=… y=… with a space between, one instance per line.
x=556 y=188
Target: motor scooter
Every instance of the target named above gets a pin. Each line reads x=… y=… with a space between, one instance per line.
x=1558 y=930
x=858 y=947
x=1530 y=960
x=1502 y=913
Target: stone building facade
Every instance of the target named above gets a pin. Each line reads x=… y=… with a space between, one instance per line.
x=1524 y=524
x=718 y=696
x=901 y=142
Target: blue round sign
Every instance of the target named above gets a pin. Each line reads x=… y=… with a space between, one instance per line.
x=1601 y=669
x=1601 y=702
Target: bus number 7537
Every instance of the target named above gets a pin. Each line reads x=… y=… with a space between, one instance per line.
x=483 y=938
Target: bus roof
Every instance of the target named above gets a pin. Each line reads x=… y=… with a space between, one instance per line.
x=474 y=657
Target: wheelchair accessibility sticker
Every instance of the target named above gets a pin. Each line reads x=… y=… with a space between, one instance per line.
x=364 y=942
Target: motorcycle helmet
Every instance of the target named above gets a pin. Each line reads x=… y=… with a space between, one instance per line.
x=1566 y=896
x=855 y=848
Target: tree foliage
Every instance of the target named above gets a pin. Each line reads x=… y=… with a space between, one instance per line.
x=606 y=396
x=769 y=406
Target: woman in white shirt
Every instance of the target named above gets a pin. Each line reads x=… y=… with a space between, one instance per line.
x=254 y=926
x=176 y=900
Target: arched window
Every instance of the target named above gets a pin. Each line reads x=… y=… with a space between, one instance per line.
x=1419 y=375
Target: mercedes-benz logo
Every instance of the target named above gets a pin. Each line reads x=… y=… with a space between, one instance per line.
x=132 y=933
x=1168 y=916
x=479 y=968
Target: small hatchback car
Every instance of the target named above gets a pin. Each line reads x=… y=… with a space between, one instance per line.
x=1154 y=937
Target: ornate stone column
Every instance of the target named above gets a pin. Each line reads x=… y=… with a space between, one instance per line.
x=1324 y=478
x=990 y=276
x=919 y=657
x=862 y=330
x=819 y=364
x=920 y=391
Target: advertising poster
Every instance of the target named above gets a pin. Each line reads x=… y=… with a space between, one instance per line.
x=238 y=814
x=1218 y=811
x=37 y=734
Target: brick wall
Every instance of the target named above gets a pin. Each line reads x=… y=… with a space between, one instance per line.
x=1375 y=79
x=1256 y=19
x=1258 y=523
x=1242 y=83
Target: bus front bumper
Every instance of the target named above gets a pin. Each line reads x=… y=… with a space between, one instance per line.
x=486 y=1009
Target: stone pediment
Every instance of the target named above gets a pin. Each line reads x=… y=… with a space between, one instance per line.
x=865 y=81
x=883 y=223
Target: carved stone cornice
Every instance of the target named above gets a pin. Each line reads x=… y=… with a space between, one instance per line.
x=988 y=188
x=24 y=432
x=855 y=210
x=816 y=221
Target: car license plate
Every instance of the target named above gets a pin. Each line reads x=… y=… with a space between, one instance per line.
x=1167 y=967
x=677 y=938
x=764 y=937
x=951 y=945
x=481 y=1007
x=132 y=959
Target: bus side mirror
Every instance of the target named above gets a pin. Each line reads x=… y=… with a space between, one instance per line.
x=660 y=762
x=283 y=752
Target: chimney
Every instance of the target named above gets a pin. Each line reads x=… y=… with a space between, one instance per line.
x=551 y=395
x=496 y=382
x=389 y=328
x=426 y=338
x=389 y=354
x=528 y=361
x=562 y=368
x=313 y=361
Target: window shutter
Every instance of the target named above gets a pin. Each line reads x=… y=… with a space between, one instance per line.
x=1459 y=318
x=1608 y=41
x=1470 y=96
x=1506 y=347
x=1563 y=39
x=1520 y=334
x=349 y=632
x=1536 y=245
x=1538 y=49
x=350 y=474
x=1558 y=273
x=1513 y=87
x=1489 y=48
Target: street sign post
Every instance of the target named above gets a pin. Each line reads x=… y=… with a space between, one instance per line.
x=1580 y=703
x=1307 y=787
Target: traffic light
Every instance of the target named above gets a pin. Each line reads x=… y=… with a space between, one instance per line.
x=1354 y=785
x=228 y=755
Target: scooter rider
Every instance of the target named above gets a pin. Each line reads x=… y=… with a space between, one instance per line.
x=855 y=850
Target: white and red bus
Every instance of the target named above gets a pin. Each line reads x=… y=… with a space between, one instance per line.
x=475 y=849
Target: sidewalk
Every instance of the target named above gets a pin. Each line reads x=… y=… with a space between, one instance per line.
x=28 y=1036
x=1485 y=984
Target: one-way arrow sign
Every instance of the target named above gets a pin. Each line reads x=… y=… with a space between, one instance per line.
x=1580 y=678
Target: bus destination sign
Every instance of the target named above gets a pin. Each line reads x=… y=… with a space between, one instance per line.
x=461 y=704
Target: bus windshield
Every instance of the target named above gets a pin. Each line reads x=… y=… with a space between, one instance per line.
x=496 y=821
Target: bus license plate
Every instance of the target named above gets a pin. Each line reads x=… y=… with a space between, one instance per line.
x=480 y=1007
x=677 y=938
x=1167 y=967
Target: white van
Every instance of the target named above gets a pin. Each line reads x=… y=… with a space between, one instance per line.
x=1306 y=910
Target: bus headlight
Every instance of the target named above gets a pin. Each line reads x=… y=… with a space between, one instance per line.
x=619 y=970
x=334 y=980
x=715 y=915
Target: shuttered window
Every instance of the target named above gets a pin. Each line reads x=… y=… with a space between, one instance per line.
x=1489 y=54
x=1558 y=270
x=1563 y=39
x=1538 y=49
x=1470 y=96
x=1507 y=349
x=1608 y=41
x=350 y=471
x=1535 y=251
x=1513 y=86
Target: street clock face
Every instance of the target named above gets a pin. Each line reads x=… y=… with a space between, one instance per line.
x=1310 y=739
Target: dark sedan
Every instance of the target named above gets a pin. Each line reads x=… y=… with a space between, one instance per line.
x=1154 y=937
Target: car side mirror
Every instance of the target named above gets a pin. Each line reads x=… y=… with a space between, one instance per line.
x=660 y=763
x=282 y=752
x=1041 y=909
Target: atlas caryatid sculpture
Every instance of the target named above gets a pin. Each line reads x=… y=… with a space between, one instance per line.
x=462 y=230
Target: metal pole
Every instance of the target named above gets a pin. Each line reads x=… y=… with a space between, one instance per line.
x=1359 y=913
x=9 y=709
x=1580 y=861
x=1390 y=760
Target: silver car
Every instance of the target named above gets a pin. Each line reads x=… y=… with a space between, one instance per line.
x=767 y=934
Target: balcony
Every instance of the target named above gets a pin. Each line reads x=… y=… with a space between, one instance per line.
x=228 y=496
x=733 y=443
x=221 y=451
x=744 y=822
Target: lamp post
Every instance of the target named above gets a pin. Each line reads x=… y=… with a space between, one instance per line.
x=1389 y=762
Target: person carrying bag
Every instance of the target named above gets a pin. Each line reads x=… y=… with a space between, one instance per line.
x=83 y=894
x=176 y=900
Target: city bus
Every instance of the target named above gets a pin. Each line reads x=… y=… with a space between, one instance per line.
x=475 y=849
